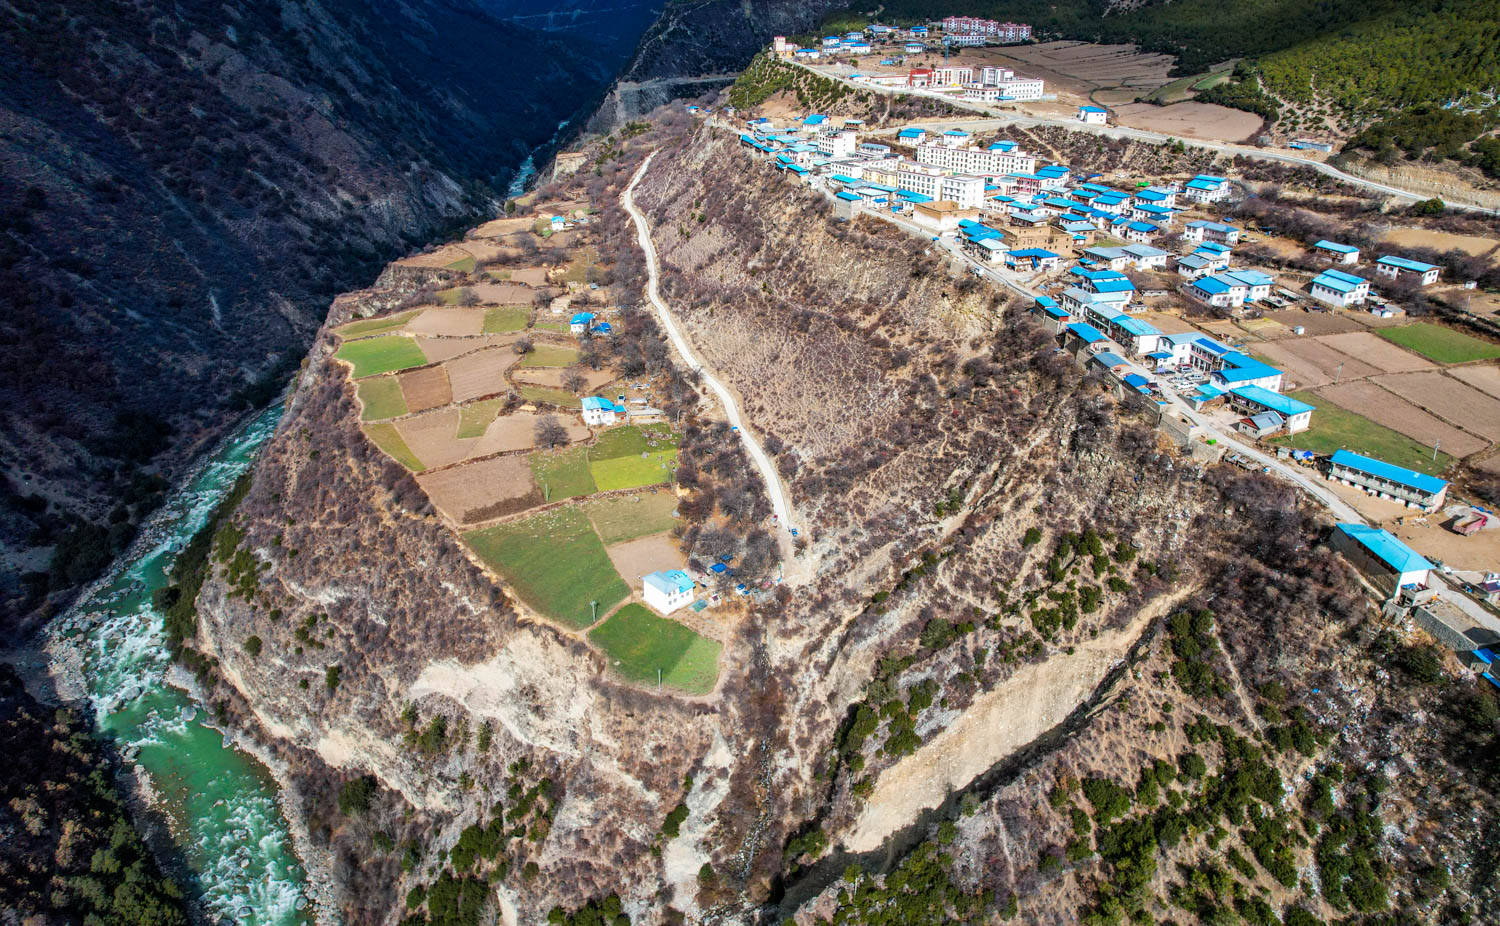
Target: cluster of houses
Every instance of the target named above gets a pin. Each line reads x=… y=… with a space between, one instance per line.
x=966 y=31
x=971 y=30
x=1340 y=289
x=983 y=84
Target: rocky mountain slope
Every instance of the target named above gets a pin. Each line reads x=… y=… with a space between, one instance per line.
x=185 y=188
x=1028 y=660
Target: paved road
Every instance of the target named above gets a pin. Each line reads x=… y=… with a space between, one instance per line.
x=1003 y=118
x=774 y=489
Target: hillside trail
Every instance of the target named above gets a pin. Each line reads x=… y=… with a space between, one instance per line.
x=793 y=568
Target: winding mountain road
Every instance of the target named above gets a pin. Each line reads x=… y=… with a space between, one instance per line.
x=762 y=460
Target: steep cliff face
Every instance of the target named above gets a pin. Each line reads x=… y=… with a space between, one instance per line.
x=186 y=188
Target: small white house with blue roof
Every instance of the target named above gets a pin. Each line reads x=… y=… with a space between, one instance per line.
x=1339 y=289
x=1387 y=480
x=667 y=590
x=1335 y=252
x=1093 y=115
x=580 y=322
x=599 y=412
x=1401 y=269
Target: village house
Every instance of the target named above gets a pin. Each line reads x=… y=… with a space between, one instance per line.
x=1290 y=415
x=941 y=216
x=667 y=590
x=1388 y=481
x=1093 y=115
x=1217 y=232
x=980 y=162
x=1399 y=268
x=1380 y=556
x=1032 y=259
x=1205 y=188
x=580 y=322
x=1336 y=253
x=1339 y=289
x=598 y=412
x=1053 y=316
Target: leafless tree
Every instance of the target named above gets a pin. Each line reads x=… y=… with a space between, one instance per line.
x=573 y=380
x=523 y=345
x=549 y=432
x=467 y=297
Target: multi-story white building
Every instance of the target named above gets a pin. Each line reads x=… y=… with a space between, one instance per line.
x=838 y=143
x=1205 y=188
x=973 y=25
x=668 y=590
x=964 y=40
x=1211 y=231
x=1024 y=89
x=967 y=192
x=980 y=163
x=952 y=76
x=1400 y=268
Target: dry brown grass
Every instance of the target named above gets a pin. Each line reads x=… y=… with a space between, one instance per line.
x=485 y=489
x=481 y=373
x=426 y=388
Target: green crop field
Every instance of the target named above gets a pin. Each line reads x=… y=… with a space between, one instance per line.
x=549 y=355
x=631 y=457
x=1443 y=345
x=381 y=355
x=619 y=518
x=552 y=396
x=551 y=325
x=563 y=473
x=555 y=562
x=642 y=643
x=505 y=318
x=382 y=398
x=463 y=265
x=387 y=438
x=1335 y=428
x=475 y=417
x=368 y=326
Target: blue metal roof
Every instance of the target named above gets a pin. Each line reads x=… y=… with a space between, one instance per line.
x=1109 y=358
x=1402 y=263
x=1386 y=547
x=1389 y=471
x=669 y=581
x=1092 y=109
x=1113 y=286
x=1136 y=380
x=1032 y=252
x=847 y=196
x=1336 y=281
x=1134 y=326
x=1335 y=246
x=1087 y=332
x=581 y=318
x=1211 y=285
x=1275 y=401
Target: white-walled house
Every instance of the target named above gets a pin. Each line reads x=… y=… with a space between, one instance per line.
x=1339 y=289
x=1093 y=115
x=599 y=412
x=667 y=590
x=1211 y=231
x=1399 y=268
x=1336 y=252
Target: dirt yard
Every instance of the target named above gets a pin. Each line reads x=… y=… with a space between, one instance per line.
x=1383 y=407
x=1191 y=120
x=1313 y=363
x=441 y=349
x=481 y=373
x=1450 y=399
x=1080 y=67
x=431 y=436
x=500 y=228
x=529 y=276
x=1485 y=378
x=426 y=388
x=1169 y=324
x=442 y=257
x=475 y=491
x=447 y=321
x=634 y=558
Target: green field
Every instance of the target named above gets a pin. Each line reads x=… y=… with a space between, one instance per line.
x=549 y=355
x=550 y=325
x=475 y=417
x=552 y=396
x=505 y=318
x=1335 y=428
x=463 y=265
x=387 y=438
x=555 y=562
x=368 y=326
x=642 y=643
x=631 y=457
x=1443 y=345
x=381 y=355
x=563 y=473
x=382 y=398
x=619 y=518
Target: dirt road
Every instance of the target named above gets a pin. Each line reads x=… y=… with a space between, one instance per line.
x=762 y=460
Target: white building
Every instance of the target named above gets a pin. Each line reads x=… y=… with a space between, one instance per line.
x=1399 y=268
x=987 y=162
x=1337 y=253
x=966 y=191
x=1377 y=553
x=1211 y=231
x=1206 y=188
x=599 y=412
x=952 y=76
x=1093 y=115
x=1387 y=480
x=836 y=144
x=667 y=590
x=1339 y=289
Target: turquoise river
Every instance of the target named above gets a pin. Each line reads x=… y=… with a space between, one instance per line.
x=220 y=803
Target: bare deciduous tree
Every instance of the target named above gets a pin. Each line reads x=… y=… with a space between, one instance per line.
x=549 y=432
